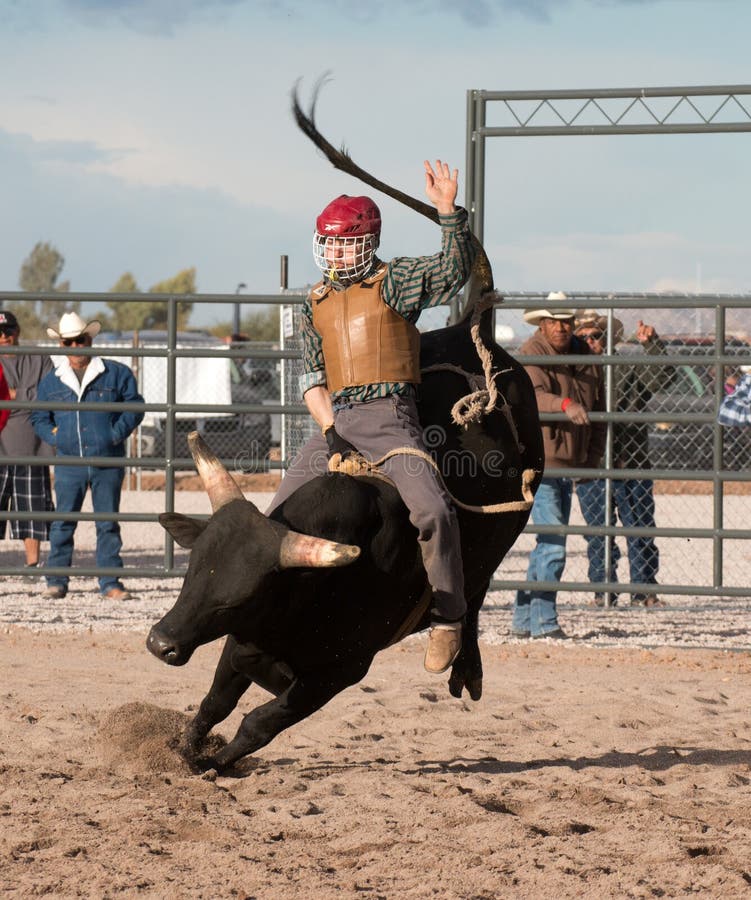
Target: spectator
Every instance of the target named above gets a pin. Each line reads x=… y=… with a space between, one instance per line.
x=575 y=390
x=23 y=488
x=81 y=433
x=735 y=408
x=631 y=499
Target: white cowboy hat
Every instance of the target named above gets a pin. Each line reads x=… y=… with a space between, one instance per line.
x=534 y=316
x=72 y=325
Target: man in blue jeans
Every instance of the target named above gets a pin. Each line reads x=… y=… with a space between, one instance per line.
x=575 y=390
x=632 y=499
x=83 y=432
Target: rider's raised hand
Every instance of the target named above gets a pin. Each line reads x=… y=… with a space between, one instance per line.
x=441 y=186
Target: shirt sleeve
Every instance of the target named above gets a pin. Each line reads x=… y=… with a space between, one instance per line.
x=127 y=422
x=598 y=431
x=735 y=409
x=652 y=378
x=416 y=283
x=43 y=420
x=4 y=395
x=548 y=401
x=314 y=370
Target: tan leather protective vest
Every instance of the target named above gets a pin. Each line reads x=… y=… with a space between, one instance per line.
x=364 y=340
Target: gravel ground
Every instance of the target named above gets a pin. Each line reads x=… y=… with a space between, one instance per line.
x=685 y=622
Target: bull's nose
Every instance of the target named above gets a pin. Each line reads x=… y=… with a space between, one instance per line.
x=162 y=648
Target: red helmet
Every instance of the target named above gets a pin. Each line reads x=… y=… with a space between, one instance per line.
x=346 y=238
x=349 y=216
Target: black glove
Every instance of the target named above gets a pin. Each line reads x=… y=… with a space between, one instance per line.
x=337 y=444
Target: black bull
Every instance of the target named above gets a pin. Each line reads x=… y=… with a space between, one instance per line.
x=304 y=618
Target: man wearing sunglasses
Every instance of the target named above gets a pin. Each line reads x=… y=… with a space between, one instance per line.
x=632 y=499
x=23 y=488
x=86 y=380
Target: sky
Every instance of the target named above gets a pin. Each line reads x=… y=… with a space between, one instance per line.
x=153 y=135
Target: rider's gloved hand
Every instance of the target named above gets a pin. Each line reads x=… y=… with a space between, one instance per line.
x=337 y=444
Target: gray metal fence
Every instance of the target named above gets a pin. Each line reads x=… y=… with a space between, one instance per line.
x=700 y=471
x=241 y=427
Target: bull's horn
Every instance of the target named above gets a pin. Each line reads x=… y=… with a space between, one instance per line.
x=219 y=484
x=306 y=550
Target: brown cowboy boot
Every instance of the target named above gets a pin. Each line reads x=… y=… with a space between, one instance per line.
x=444 y=644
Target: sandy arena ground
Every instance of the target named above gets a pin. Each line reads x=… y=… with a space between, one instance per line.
x=617 y=764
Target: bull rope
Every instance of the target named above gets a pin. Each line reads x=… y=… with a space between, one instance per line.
x=356 y=464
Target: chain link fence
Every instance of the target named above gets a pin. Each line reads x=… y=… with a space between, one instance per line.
x=694 y=470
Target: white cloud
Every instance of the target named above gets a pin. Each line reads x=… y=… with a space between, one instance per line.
x=156 y=17
x=166 y=17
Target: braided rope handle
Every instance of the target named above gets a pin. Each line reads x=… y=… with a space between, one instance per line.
x=361 y=466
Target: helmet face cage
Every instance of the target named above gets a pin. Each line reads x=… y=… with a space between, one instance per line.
x=344 y=260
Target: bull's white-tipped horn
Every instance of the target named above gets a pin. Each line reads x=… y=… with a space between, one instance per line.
x=305 y=550
x=219 y=484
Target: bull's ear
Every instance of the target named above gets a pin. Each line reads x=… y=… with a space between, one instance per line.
x=183 y=529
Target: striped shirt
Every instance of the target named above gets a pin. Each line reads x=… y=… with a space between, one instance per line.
x=735 y=409
x=411 y=285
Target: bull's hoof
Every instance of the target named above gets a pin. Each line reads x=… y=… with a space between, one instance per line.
x=188 y=749
x=199 y=756
x=456 y=684
x=207 y=764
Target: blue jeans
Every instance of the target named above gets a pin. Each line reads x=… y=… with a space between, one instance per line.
x=535 y=610
x=71 y=484
x=633 y=502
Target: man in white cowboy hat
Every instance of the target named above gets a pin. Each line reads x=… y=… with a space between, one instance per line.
x=83 y=432
x=632 y=499
x=575 y=390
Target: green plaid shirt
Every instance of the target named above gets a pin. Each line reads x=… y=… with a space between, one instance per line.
x=411 y=285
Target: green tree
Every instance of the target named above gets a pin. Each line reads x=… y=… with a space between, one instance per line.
x=125 y=316
x=182 y=283
x=136 y=316
x=125 y=284
x=41 y=269
x=39 y=274
x=260 y=325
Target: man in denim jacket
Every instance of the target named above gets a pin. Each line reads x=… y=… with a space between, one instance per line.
x=86 y=380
